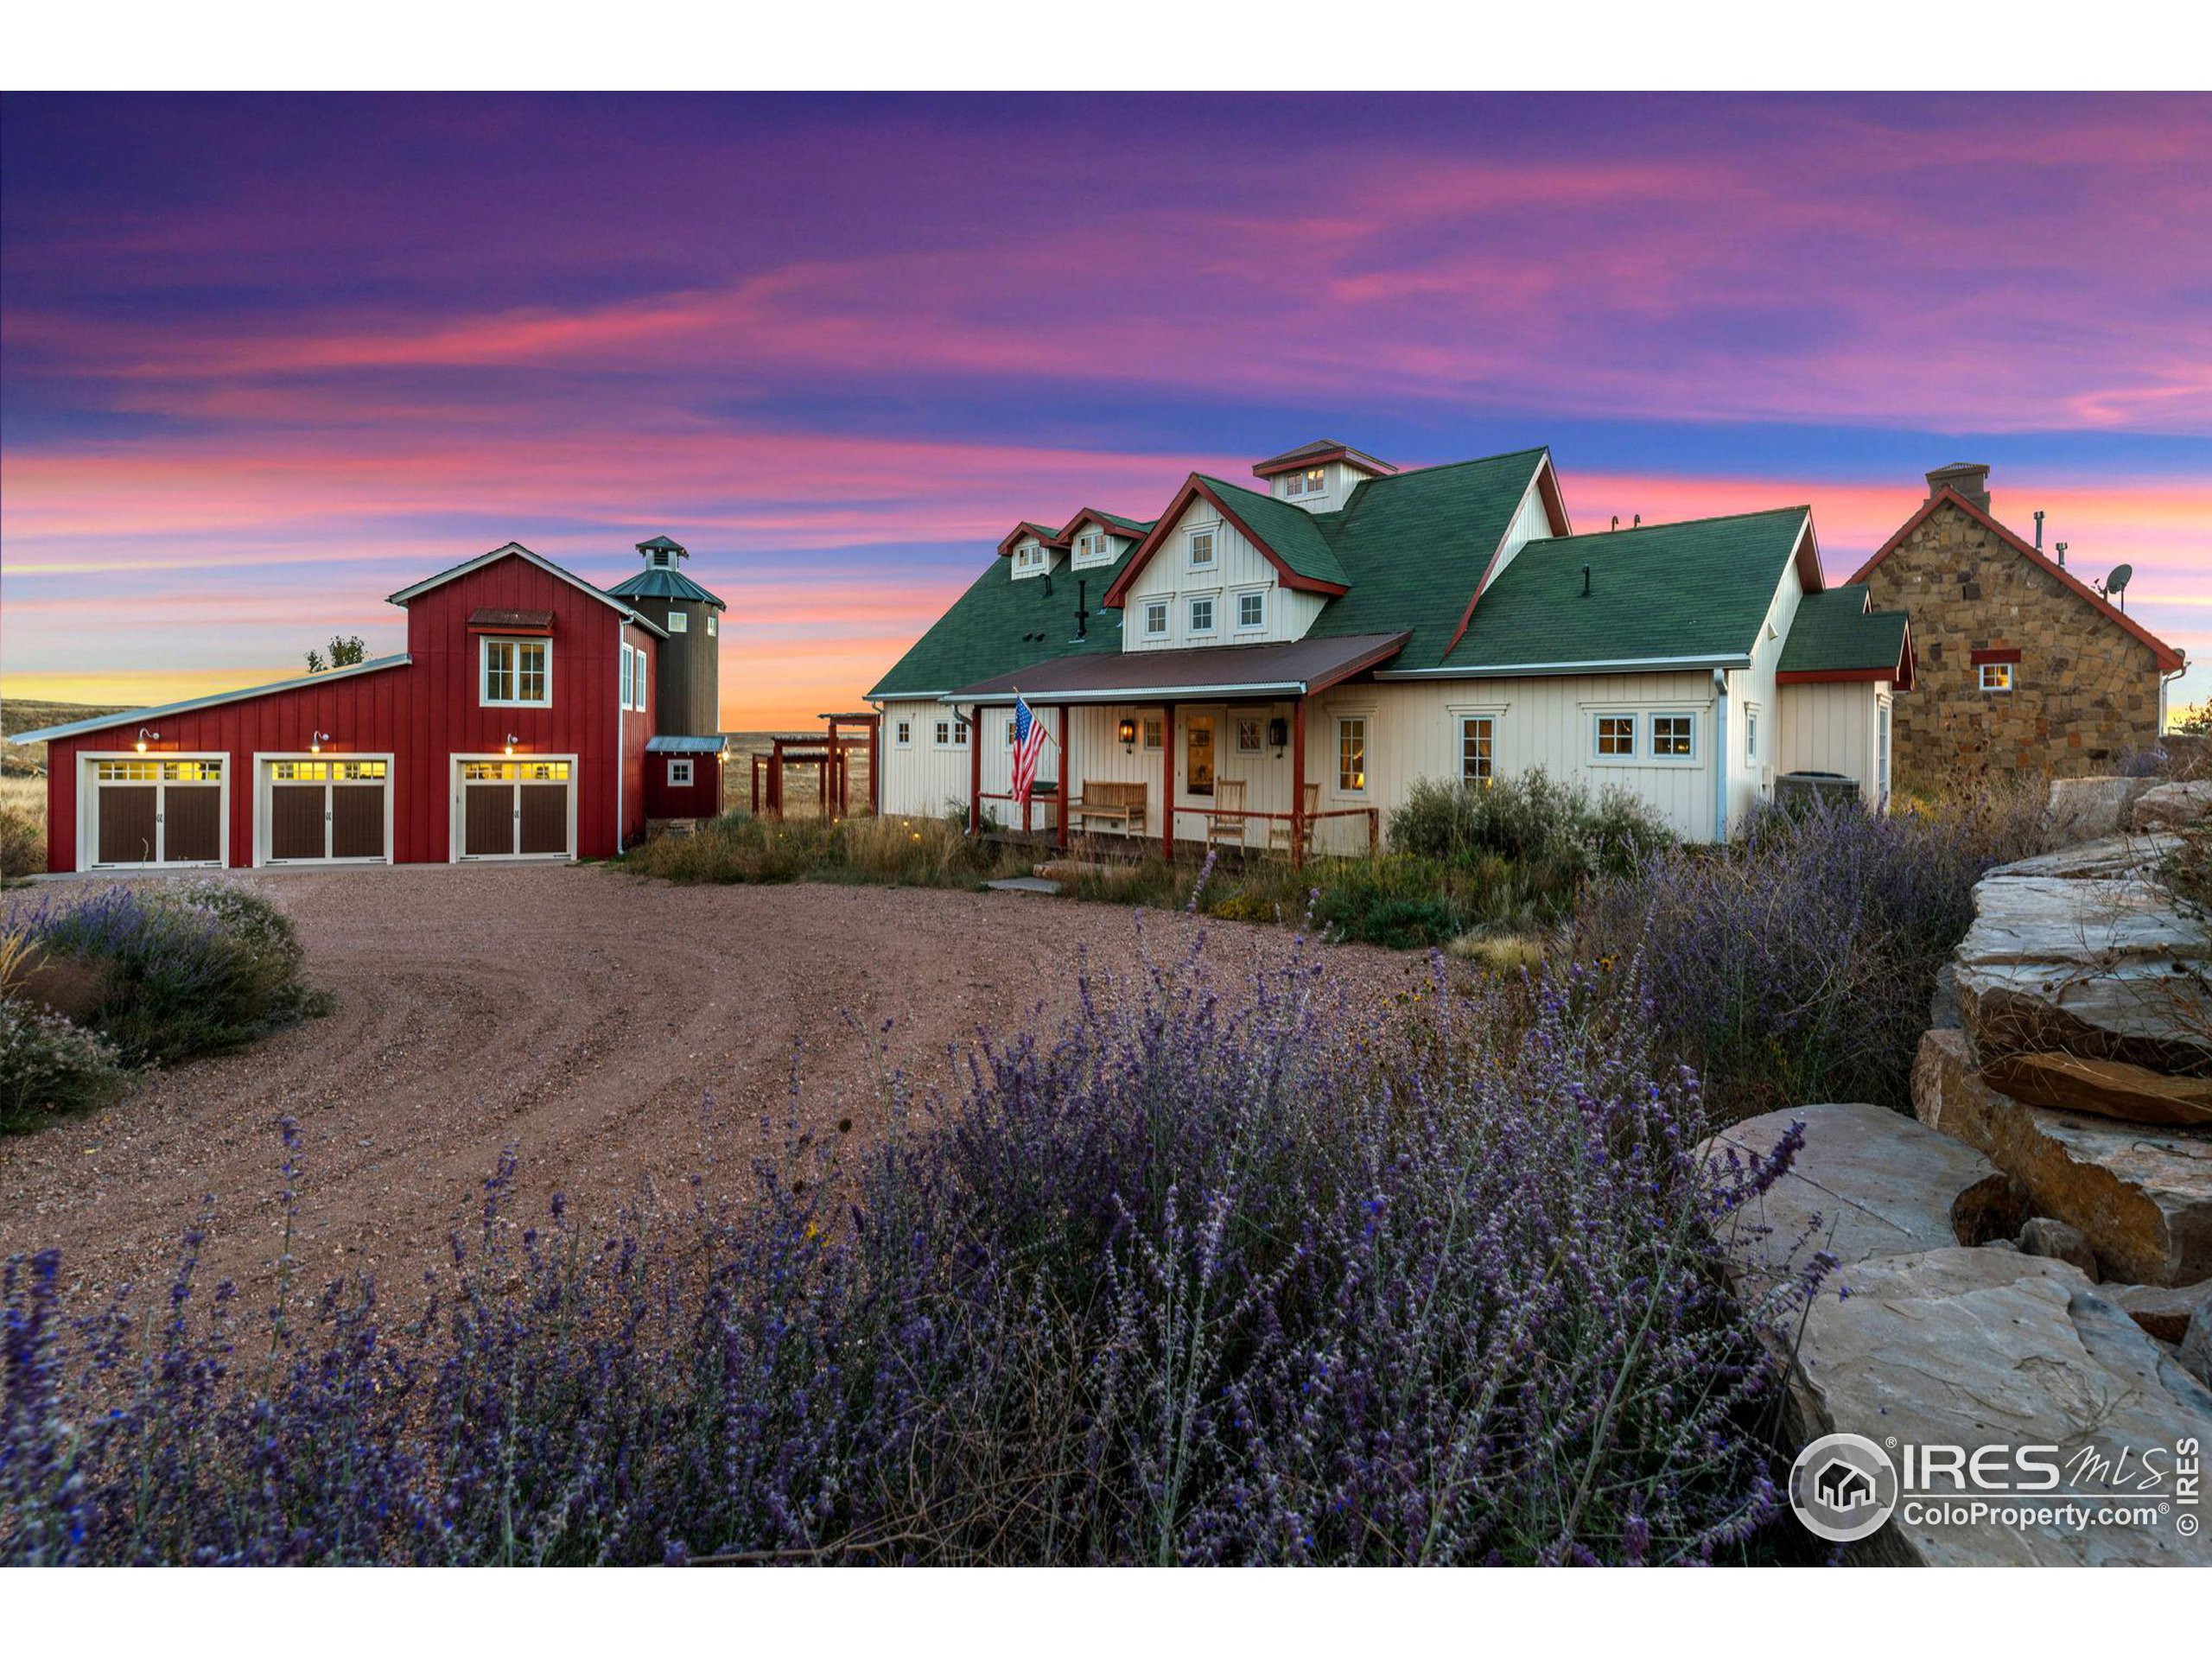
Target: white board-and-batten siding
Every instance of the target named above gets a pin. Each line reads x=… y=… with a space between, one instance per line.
x=1238 y=567
x=1835 y=726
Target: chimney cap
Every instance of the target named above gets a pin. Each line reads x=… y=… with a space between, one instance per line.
x=1969 y=478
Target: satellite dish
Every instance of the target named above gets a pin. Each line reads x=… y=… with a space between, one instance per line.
x=2121 y=576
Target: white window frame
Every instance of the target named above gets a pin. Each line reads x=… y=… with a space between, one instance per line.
x=1651 y=745
x=1364 y=719
x=1634 y=755
x=959 y=733
x=1752 y=733
x=1258 y=622
x=1153 y=730
x=484 y=697
x=679 y=772
x=1211 y=625
x=711 y=629
x=1211 y=535
x=1485 y=717
x=902 y=733
x=1294 y=484
x=639 y=680
x=678 y=622
x=265 y=762
x=1155 y=608
x=623 y=695
x=941 y=733
x=2008 y=678
x=88 y=782
x=1317 y=480
x=1258 y=723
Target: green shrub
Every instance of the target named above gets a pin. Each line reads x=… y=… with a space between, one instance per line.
x=49 y=1066
x=1531 y=819
x=22 y=843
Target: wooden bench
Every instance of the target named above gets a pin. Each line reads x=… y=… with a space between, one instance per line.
x=1121 y=805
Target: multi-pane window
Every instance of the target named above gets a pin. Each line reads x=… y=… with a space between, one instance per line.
x=1752 y=733
x=323 y=771
x=627 y=671
x=518 y=671
x=1671 y=735
x=159 y=772
x=1202 y=616
x=945 y=734
x=678 y=622
x=638 y=678
x=1997 y=677
x=959 y=734
x=1317 y=478
x=1616 y=736
x=510 y=772
x=902 y=732
x=1478 y=750
x=1882 y=752
x=1251 y=610
x=711 y=629
x=1295 y=485
x=1248 y=736
x=1352 y=754
x=1155 y=617
x=1201 y=547
x=1155 y=735
x=679 y=774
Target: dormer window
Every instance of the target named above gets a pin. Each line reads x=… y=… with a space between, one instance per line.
x=1202 y=550
x=1317 y=479
x=1295 y=485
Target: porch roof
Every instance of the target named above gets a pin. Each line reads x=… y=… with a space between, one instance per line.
x=1294 y=668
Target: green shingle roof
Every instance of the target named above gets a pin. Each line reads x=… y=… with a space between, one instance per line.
x=1413 y=546
x=1696 y=590
x=1298 y=537
x=1000 y=624
x=1836 y=633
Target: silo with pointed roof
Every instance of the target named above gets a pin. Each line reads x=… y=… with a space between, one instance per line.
x=688 y=684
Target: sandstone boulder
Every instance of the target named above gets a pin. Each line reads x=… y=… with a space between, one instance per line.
x=2061 y=1242
x=2195 y=1354
x=2105 y=1088
x=2103 y=967
x=2143 y=1195
x=2162 y=1310
x=1967 y=1347
x=1868 y=1182
x=2115 y=855
x=2169 y=806
x=2085 y=809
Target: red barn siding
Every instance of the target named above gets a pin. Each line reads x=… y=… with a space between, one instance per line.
x=422 y=713
x=704 y=799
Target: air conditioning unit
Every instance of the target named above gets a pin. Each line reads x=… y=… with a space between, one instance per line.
x=1831 y=788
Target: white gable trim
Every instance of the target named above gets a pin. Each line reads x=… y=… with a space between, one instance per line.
x=516 y=549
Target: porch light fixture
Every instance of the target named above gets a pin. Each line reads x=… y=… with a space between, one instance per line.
x=146 y=737
x=510 y=742
x=1279 y=734
x=1126 y=732
x=316 y=740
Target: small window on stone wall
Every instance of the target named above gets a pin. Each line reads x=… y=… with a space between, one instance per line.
x=1999 y=677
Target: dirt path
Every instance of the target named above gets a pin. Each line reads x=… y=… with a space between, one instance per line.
x=576 y=1014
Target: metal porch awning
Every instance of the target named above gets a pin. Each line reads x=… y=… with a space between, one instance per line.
x=1291 y=668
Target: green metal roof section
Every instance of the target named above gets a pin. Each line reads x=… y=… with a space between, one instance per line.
x=1002 y=624
x=1413 y=546
x=1298 y=537
x=1835 y=632
x=664 y=581
x=1693 y=590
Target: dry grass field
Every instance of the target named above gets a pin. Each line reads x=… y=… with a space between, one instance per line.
x=802 y=787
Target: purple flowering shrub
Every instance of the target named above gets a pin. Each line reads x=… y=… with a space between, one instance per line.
x=1798 y=962
x=1175 y=1279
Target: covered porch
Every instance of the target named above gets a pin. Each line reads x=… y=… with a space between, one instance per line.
x=1192 y=749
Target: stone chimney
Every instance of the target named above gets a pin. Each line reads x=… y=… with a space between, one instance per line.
x=1969 y=478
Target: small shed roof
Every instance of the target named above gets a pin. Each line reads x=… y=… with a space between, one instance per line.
x=669 y=744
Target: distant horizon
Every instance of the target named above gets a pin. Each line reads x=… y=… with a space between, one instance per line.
x=270 y=359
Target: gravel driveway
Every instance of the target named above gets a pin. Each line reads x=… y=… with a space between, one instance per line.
x=575 y=1013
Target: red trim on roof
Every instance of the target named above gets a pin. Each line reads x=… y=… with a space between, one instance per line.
x=1901 y=675
x=1022 y=533
x=1092 y=515
x=1298 y=463
x=1996 y=654
x=2168 y=658
x=1194 y=487
x=1547 y=482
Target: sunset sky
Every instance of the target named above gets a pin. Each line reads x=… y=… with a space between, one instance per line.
x=267 y=361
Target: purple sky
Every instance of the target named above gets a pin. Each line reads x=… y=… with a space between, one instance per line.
x=268 y=359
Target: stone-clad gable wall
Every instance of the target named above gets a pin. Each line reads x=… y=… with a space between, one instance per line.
x=2087 y=692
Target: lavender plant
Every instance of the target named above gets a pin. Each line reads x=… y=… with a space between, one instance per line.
x=1175 y=1277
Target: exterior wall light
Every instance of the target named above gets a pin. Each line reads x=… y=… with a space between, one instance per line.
x=146 y=737
x=510 y=742
x=316 y=741
x=1279 y=734
x=1128 y=733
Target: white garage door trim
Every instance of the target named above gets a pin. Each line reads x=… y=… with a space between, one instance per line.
x=88 y=788
x=262 y=837
x=456 y=816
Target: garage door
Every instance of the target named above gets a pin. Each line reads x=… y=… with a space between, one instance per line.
x=327 y=811
x=150 y=812
x=517 y=809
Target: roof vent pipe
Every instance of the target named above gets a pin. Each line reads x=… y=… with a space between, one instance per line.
x=2038 y=530
x=1586 y=581
x=1082 y=609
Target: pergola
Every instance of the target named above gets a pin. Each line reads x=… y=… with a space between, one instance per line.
x=1288 y=671
x=831 y=755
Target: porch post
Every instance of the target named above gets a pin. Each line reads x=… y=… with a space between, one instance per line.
x=875 y=766
x=1067 y=778
x=1167 y=782
x=1298 y=783
x=975 y=770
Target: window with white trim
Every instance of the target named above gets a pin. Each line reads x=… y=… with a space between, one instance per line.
x=1202 y=615
x=679 y=773
x=1997 y=677
x=1252 y=609
x=1317 y=479
x=1155 y=733
x=959 y=734
x=1616 y=737
x=1029 y=558
x=902 y=733
x=1352 y=754
x=1155 y=617
x=622 y=695
x=1478 y=750
x=1295 y=485
x=945 y=734
x=711 y=629
x=1202 y=550
x=515 y=673
x=1751 y=731
x=678 y=622
x=1673 y=737
x=642 y=682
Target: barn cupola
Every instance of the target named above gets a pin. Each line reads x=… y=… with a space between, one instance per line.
x=687 y=681
x=1319 y=476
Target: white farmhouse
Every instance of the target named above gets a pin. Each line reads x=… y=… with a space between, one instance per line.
x=1278 y=665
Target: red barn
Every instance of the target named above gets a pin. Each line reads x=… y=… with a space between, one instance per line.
x=514 y=726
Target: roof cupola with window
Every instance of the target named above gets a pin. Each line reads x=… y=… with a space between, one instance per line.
x=1319 y=476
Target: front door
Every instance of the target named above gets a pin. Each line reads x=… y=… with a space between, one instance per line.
x=1197 y=755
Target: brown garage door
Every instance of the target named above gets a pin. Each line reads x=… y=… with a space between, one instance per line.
x=153 y=811
x=357 y=812
x=517 y=808
x=327 y=809
x=296 y=825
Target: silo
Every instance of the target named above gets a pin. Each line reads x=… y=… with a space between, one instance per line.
x=688 y=684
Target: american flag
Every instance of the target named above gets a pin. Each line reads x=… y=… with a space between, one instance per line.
x=1028 y=745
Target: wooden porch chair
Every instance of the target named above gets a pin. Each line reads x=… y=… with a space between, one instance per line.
x=1279 y=829
x=1225 y=827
